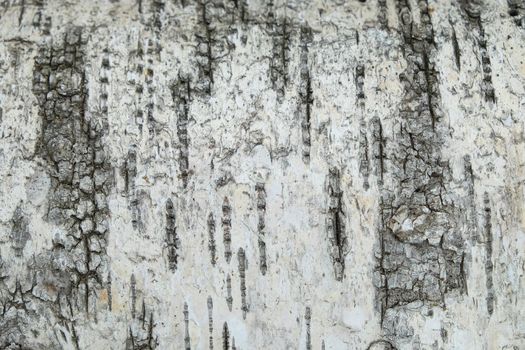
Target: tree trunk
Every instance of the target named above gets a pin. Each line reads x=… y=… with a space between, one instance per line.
x=216 y=174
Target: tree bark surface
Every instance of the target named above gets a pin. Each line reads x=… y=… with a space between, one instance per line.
x=249 y=174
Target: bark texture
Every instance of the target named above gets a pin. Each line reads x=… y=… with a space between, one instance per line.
x=253 y=174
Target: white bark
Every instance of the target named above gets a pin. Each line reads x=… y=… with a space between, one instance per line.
x=257 y=175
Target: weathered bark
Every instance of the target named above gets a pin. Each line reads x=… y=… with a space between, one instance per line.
x=216 y=174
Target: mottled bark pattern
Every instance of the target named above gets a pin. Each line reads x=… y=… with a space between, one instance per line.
x=249 y=174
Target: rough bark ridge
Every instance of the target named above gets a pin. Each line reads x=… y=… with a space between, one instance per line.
x=249 y=174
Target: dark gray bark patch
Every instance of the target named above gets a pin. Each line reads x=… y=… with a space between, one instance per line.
x=71 y=144
x=420 y=257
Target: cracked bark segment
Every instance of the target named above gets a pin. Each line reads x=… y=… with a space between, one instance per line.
x=225 y=337
x=229 y=297
x=211 y=239
x=336 y=227
x=308 y=319
x=471 y=11
x=71 y=145
x=261 y=209
x=172 y=239
x=210 y=320
x=241 y=257
x=489 y=266
x=187 y=344
x=181 y=95
x=305 y=92
x=516 y=10
x=420 y=256
x=226 y=229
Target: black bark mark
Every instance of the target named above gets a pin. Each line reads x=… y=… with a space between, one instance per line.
x=210 y=320
x=383 y=13
x=187 y=345
x=364 y=161
x=455 y=47
x=261 y=209
x=172 y=239
x=336 y=224
x=280 y=31
x=242 y=275
x=181 y=95
x=308 y=319
x=22 y=11
x=19 y=231
x=133 y=289
x=226 y=228
x=229 y=297
x=471 y=10
x=489 y=266
x=211 y=239
x=305 y=92
x=225 y=337
x=205 y=54
x=379 y=143
x=110 y=295
x=517 y=11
